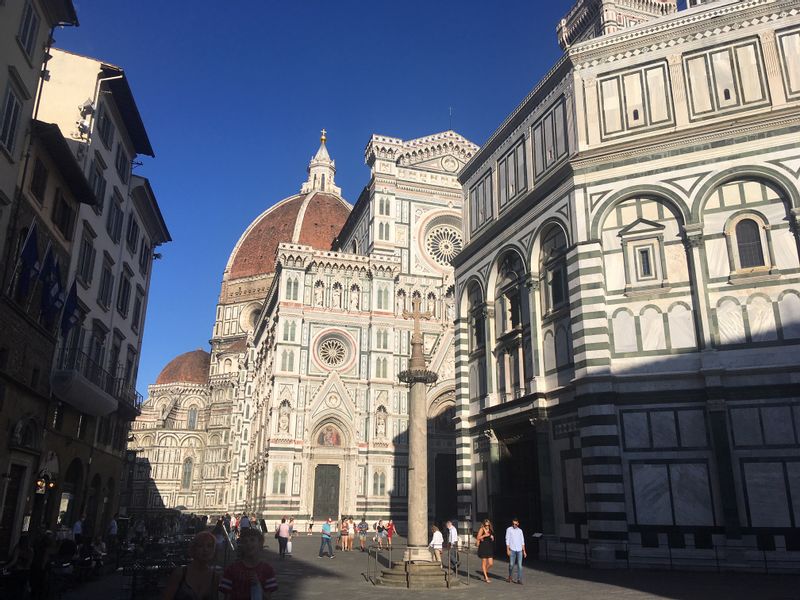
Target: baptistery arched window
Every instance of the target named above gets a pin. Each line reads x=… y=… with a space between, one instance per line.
x=512 y=326
x=553 y=265
x=748 y=244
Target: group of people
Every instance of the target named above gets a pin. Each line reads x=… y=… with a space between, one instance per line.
x=514 y=540
x=35 y=558
x=248 y=577
x=346 y=532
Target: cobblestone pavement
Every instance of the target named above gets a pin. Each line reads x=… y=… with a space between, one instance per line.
x=305 y=576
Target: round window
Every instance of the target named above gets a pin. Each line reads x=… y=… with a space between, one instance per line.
x=443 y=243
x=332 y=352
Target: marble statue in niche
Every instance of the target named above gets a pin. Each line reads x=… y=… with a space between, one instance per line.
x=319 y=293
x=400 y=303
x=354 y=298
x=380 y=422
x=336 y=301
x=283 y=417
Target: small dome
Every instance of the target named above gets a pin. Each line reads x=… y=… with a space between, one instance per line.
x=189 y=367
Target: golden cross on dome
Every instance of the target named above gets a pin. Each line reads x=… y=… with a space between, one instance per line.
x=324 y=136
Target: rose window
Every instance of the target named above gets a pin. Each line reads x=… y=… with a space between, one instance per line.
x=332 y=352
x=443 y=243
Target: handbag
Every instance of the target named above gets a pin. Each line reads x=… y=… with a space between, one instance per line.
x=276 y=534
x=289 y=547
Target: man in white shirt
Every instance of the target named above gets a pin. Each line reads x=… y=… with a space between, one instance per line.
x=515 y=549
x=452 y=543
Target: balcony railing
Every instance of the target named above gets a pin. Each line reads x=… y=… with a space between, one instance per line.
x=75 y=359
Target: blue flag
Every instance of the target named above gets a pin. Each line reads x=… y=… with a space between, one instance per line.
x=29 y=265
x=52 y=293
x=72 y=312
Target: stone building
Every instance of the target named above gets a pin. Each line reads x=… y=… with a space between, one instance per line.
x=629 y=293
x=30 y=308
x=75 y=289
x=310 y=336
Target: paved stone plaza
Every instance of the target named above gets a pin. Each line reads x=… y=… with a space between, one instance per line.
x=306 y=576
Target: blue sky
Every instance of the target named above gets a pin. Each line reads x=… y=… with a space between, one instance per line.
x=234 y=94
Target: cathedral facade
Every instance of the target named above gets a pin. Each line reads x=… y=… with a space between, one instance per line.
x=297 y=410
x=629 y=293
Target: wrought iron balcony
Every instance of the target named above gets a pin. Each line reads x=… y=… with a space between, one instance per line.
x=81 y=381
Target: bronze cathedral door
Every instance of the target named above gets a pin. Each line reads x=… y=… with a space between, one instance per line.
x=326 y=492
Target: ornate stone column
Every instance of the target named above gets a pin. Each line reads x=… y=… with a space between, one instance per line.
x=417 y=377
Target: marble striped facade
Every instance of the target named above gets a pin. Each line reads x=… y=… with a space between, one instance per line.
x=612 y=315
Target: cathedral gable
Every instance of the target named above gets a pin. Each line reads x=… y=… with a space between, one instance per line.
x=332 y=396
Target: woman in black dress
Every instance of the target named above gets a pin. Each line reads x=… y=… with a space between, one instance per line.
x=486 y=547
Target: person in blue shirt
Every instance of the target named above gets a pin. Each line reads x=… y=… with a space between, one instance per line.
x=515 y=549
x=326 y=538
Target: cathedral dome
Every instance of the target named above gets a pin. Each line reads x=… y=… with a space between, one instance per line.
x=189 y=367
x=314 y=217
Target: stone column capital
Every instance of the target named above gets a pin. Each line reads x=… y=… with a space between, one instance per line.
x=693 y=235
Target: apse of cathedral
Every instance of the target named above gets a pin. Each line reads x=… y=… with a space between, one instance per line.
x=297 y=409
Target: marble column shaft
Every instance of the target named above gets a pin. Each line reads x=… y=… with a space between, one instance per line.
x=418 y=467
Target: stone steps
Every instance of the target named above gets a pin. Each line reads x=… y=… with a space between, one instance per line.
x=414 y=575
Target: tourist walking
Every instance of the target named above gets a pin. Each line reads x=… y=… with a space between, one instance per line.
x=344 y=535
x=363 y=528
x=452 y=544
x=380 y=531
x=244 y=522
x=390 y=532
x=249 y=577
x=515 y=550
x=310 y=526
x=291 y=535
x=220 y=537
x=199 y=579
x=485 y=540
x=436 y=544
x=111 y=534
x=282 y=533
x=351 y=532
x=326 y=538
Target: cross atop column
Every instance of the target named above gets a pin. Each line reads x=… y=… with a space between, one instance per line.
x=417 y=315
x=324 y=136
x=417 y=362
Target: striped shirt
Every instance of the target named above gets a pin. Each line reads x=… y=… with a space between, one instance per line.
x=235 y=582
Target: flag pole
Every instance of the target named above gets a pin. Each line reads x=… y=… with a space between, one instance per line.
x=19 y=256
x=38 y=281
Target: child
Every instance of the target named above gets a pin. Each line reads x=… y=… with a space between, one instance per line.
x=249 y=577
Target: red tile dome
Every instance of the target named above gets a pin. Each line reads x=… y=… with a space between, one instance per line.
x=189 y=367
x=313 y=219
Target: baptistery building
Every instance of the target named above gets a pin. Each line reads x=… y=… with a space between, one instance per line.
x=297 y=408
x=629 y=292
